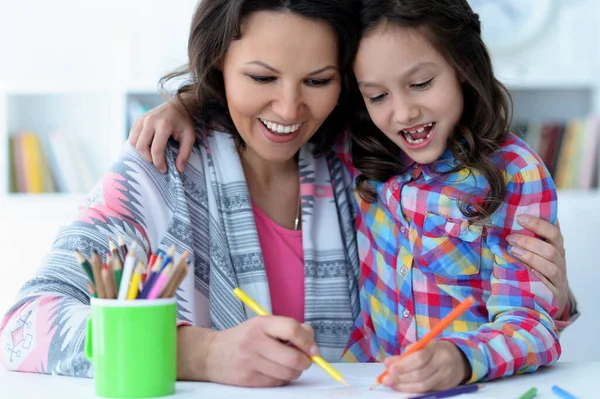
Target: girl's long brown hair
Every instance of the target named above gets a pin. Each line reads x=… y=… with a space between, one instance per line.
x=455 y=31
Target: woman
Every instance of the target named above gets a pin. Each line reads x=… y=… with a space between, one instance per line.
x=257 y=67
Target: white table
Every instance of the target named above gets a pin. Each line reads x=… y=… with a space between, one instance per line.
x=580 y=379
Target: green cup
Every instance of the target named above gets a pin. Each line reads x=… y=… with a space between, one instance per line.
x=133 y=347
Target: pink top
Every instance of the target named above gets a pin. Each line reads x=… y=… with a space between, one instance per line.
x=284 y=263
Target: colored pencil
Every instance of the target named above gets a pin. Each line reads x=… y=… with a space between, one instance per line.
x=153 y=274
x=529 y=394
x=107 y=279
x=449 y=392
x=123 y=247
x=561 y=393
x=135 y=281
x=97 y=270
x=116 y=263
x=150 y=265
x=160 y=282
x=242 y=296
x=87 y=268
x=177 y=276
x=130 y=261
x=92 y=290
x=434 y=332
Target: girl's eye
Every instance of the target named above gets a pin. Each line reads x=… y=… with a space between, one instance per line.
x=377 y=99
x=261 y=79
x=424 y=85
x=318 y=82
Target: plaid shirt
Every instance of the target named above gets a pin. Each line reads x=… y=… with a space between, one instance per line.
x=420 y=257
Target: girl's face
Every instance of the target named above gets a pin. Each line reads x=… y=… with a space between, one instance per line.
x=412 y=94
x=282 y=81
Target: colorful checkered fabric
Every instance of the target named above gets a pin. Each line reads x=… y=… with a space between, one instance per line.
x=420 y=257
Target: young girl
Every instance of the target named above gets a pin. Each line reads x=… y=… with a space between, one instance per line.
x=441 y=184
x=433 y=222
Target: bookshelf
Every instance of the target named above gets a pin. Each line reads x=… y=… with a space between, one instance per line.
x=93 y=121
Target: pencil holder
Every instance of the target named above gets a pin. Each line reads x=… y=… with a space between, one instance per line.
x=132 y=346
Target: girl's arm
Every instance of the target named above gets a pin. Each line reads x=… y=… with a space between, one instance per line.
x=44 y=330
x=521 y=334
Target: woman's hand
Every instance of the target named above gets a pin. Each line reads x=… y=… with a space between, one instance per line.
x=151 y=132
x=265 y=351
x=439 y=365
x=546 y=258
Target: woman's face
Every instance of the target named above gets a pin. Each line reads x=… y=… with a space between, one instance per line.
x=282 y=81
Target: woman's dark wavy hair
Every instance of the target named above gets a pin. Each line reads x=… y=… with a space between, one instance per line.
x=455 y=31
x=216 y=23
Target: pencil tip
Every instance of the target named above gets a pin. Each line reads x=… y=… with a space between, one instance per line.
x=344 y=383
x=373 y=386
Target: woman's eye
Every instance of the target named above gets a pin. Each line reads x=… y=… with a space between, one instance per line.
x=424 y=85
x=377 y=99
x=318 y=82
x=262 y=79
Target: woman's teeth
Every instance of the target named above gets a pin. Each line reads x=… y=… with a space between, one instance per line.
x=280 y=129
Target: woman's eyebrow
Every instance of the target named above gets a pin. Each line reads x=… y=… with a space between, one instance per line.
x=274 y=70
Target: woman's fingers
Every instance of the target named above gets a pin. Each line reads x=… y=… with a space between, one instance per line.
x=289 y=330
x=544 y=229
x=536 y=253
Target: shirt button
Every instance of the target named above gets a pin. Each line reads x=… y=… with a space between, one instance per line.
x=415 y=166
x=402 y=229
x=404 y=270
x=406 y=313
x=395 y=186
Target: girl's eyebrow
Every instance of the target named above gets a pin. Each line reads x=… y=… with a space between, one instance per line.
x=409 y=72
x=274 y=70
x=419 y=66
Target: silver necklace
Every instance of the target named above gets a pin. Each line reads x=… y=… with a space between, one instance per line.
x=298 y=213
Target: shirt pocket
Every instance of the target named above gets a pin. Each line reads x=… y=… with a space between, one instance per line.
x=450 y=247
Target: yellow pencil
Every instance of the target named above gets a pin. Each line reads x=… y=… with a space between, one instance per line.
x=317 y=359
x=135 y=281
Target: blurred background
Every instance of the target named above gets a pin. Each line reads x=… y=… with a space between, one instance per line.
x=75 y=74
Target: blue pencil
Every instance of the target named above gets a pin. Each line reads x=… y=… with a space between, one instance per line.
x=561 y=393
x=449 y=392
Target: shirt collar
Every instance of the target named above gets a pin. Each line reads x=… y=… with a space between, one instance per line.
x=444 y=164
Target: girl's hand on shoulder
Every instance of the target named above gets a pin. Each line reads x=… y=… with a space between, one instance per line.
x=439 y=365
x=545 y=256
x=256 y=353
x=151 y=132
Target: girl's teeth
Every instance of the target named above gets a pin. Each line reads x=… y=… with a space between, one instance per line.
x=418 y=141
x=419 y=130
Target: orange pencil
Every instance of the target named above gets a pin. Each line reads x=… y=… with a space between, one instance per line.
x=435 y=331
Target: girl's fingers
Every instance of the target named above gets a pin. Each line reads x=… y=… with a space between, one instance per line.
x=428 y=384
x=135 y=132
x=553 y=269
x=421 y=374
x=144 y=142
x=186 y=145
